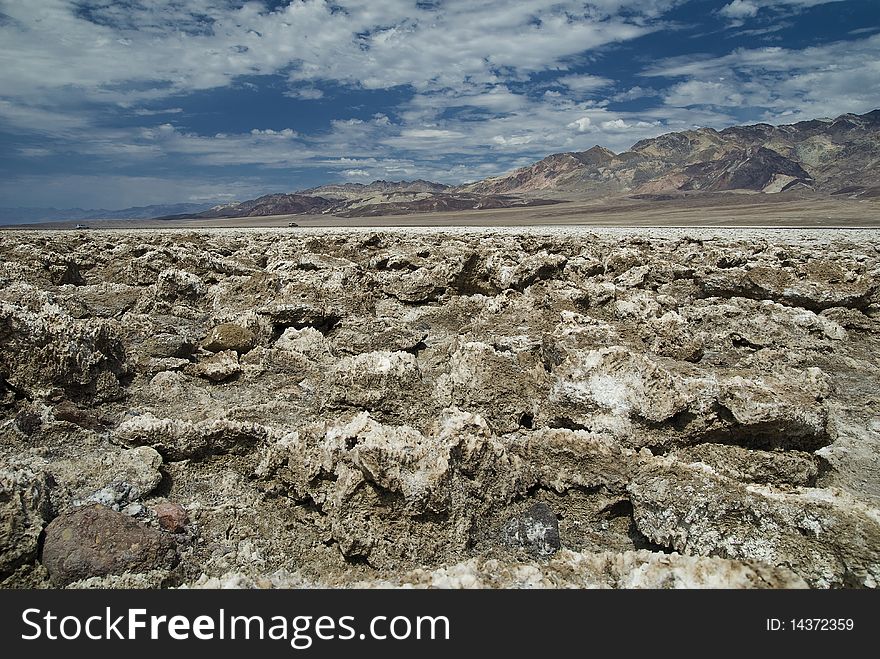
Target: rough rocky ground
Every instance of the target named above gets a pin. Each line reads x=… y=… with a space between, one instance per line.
x=537 y=408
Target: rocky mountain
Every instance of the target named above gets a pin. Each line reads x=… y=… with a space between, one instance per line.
x=376 y=199
x=361 y=190
x=271 y=204
x=402 y=203
x=832 y=156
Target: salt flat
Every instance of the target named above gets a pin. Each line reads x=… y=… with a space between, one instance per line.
x=458 y=406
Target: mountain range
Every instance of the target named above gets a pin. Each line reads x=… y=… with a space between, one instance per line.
x=839 y=156
x=829 y=156
x=824 y=156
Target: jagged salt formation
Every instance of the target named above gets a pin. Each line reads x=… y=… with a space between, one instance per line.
x=455 y=409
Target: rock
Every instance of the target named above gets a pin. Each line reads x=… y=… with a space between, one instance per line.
x=536 y=529
x=561 y=459
x=614 y=386
x=570 y=569
x=375 y=380
x=171 y=516
x=68 y=411
x=130 y=476
x=229 y=336
x=500 y=385
x=825 y=537
x=178 y=440
x=216 y=368
x=420 y=286
x=174 y=284
x=308 y=341
x=433 y=489
x=754 y=466
x=771 y=412
x=169 y=345
x=28 y=422
x=24 y=508
x=53 y=350
x=95 y=541
x=66 y=273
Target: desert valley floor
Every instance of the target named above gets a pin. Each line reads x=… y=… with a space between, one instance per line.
x=540 y=407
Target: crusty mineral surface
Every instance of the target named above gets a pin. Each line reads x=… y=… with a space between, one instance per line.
x=456 y=408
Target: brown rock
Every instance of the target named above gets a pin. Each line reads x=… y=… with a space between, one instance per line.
x=229 y=337
x=96 y=541
x=171 y=516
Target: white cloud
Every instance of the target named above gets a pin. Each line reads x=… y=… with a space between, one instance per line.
x=34 y=151
x=633 y=93
x=283 y=133
x=305 y=93
x=143 y=112
x=615 y=124
x=583 y=124
x=772 y=82
x=136 y=51
x=430 y=133
x=739 y=9
x=513 y=140
x=584 y=82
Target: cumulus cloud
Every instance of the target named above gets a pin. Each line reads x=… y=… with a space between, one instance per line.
x=110 y=49
x=583 y=124
x=615 y=124
x=739 y=9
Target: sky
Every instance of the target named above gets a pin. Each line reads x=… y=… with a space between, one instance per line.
x=114 y=104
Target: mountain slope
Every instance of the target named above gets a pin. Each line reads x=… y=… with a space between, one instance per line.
x=376 y=199
x=825 y=155
x=271 y=204
x=360 y=190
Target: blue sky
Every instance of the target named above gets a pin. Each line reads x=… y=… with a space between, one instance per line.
x=114 y=104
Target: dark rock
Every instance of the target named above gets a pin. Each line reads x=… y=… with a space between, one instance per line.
x=66 y=273
x=28 y=422
x=171 y=516
x=169 y=345
x=67 y=411
x=536 y=529
x=95 y=541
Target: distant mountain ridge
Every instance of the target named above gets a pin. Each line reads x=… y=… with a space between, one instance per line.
x=371 y=200
x=33 y=215
x=360 y=190
x=825 y=155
